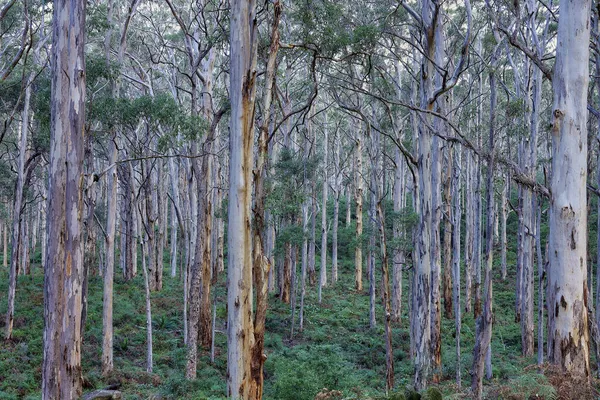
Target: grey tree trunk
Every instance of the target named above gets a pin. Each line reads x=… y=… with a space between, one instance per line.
x=399 y=257
x=456 y=222
x=358 y=196
x=17 y=212
x=541 y=275
x=107 y=302
x=482 y=350
x=336 y=212
x=469 y=228
x=503 y=217
x=323 y=276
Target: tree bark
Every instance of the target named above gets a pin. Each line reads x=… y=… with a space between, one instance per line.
x=17 y=212
x=240 y=335
x=482 y=350
x=61 y=369
x=358 y=196
x=107 y=302
x=399 y=257
x=323 y=275
x=456 y=222
x=568 y=337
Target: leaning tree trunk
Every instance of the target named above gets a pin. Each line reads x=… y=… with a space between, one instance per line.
x=568 y=337
x=61 y=369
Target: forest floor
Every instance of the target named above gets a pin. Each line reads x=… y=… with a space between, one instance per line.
x=337 y=350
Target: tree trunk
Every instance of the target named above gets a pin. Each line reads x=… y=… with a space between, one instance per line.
x=61 y=369
x=482 y=348
x=447 y=281
x=323 y=276
x=503 y=218
x=17 y=212
x=261 y=263
x=541 y=274
x=399 y=257
x=312 y=242
x=107 y=302
x=389 y=352
x=240 y=335
x=372 y=242
x=358 y=184
x=303 y=268
x=149 y=353
x=336 y=213
x=568 y=336
x=456 y=222
x=469 y=228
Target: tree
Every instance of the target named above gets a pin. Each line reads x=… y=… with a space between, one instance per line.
x=61 y=370
x=568 y=337
x=240 y=335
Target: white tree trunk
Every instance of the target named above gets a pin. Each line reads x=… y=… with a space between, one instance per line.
x=240 y=334
x=107 y=303
x=17 y=212
x=568 y=336
x=323 y=279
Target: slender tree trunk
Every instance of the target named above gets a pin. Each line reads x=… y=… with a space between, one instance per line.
x=447 y=281
x=541 y=274
x=312 y=242
x=477 y=239
x=149 y=352
x=358 y=184
x=348 y=207
x=484 y=322
x=323 y=276
x=456 y=222
x=5 y=245
x=372 y=241
x=469 y=228
x=389 y=352
x=336 y=213
x=303 y=268
x=503 y=218
x=25 y=264
x=107 y=302
x=174 y=175
x=399 y=257
x=17 y=212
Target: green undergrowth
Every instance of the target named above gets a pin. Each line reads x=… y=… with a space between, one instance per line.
x=335 y=356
